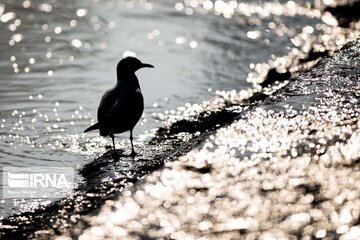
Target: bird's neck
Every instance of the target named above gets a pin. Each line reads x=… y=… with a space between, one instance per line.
x=127 y=80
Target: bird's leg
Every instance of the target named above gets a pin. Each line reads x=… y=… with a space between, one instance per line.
x=113 y=141
x=114 y=154
x=133 y=153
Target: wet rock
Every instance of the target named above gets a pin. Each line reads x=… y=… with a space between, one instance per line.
x=274 y=76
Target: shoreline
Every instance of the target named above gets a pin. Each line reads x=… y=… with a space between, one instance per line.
x=105 y=179
x=166 y=147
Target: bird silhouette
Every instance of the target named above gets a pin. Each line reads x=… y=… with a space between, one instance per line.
x=121 y=106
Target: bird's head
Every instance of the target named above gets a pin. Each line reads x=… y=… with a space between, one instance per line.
x=131 y=65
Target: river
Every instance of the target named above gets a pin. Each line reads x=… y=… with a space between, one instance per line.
x=59 y=57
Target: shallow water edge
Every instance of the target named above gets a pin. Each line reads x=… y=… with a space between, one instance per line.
x=106 y=177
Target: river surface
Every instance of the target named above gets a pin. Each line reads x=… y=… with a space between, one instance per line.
x=58 y=57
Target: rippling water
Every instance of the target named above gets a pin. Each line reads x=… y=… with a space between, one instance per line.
x=58 y=57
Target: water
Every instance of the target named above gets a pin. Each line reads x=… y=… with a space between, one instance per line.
x=59 y=57
x=59 y=54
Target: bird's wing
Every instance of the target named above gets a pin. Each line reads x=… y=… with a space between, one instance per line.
x=126 y=102
x=108 y=101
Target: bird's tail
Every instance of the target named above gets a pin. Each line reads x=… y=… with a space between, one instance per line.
x=93 y=127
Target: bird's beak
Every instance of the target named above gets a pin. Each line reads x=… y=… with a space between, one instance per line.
x=145 y=65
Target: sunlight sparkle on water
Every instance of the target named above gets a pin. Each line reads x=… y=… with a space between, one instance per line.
x=81 y=12
x=7 y=16
x=76 y=43
x=58 y=30
x=45 y=7
x=253 y=34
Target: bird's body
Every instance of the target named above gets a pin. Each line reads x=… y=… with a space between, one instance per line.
x=120 y=109
x=121 y=106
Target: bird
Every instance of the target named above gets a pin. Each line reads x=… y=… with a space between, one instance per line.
x=121 y=107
